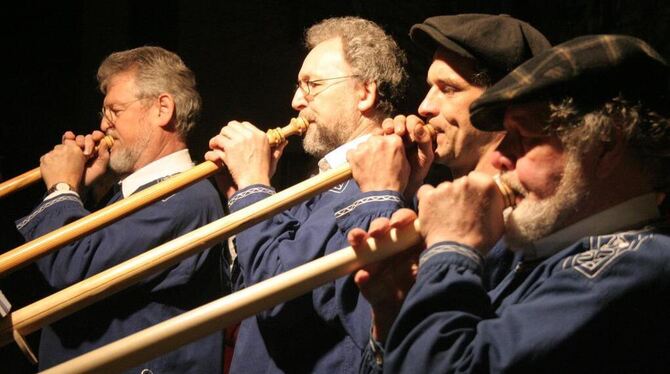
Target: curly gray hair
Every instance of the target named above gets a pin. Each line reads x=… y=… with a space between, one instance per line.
x=157 y=71
x=646 y=131
x=372 y=54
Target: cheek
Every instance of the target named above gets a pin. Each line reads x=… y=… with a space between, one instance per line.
x=456 y=109
x=539 y=178
x=327 y=109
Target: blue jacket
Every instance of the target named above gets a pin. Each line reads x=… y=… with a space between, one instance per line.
x=184 y=286
x=599 y=305
x=326 y=330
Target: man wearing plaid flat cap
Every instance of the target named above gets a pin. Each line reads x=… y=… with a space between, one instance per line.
x=586 y=154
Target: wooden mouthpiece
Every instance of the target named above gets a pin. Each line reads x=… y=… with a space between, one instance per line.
x=297 y=126
x=431 y=131
x=505 y=191
x=26 y=179
x=109 y=140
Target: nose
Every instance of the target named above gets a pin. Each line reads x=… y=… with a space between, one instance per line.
x=501 y=162
x=299 y=101
x=503 y=158
x=104 y=124
x=429 y=106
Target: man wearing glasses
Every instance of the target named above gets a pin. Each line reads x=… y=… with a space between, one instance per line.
x=348 y=83
x=150 y=105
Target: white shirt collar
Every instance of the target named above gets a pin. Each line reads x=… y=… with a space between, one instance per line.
x=171 y=164
x=338 y=156
x=629 y=214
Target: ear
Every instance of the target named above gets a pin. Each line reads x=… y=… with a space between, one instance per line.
x=367 y=96
x=166 y=109
x=612 y=155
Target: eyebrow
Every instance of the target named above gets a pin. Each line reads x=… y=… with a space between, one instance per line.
x=448 y=82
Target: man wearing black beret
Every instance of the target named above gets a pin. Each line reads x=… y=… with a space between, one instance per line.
x=469 y=53
x=586 y=154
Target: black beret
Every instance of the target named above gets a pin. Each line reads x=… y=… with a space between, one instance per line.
x=592 y=69
x=498 y=42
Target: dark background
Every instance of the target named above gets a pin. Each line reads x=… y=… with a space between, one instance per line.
x=245 y=55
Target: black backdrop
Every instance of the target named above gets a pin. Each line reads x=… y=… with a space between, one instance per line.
x=245 y=56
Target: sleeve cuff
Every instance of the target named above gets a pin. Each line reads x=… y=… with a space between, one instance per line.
x=59 y=193
x=63 y=197
x=389 y=198
x=467 y=254
x=249 y=195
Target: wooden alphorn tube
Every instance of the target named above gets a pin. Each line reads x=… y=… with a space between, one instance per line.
x=26 y=179
x=103 y=284
x=28 y=252
x=69 y=300
x=190 y=326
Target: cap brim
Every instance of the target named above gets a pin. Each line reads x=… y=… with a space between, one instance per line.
x=488 y=118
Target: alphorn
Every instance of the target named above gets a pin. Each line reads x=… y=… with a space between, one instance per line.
x=153 y=341
x=28 y=252
x=71 y=299
x=26 y=179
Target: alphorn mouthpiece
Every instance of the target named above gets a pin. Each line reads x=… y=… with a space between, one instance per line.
x=297 y=126
x=108 y=140
x=506 y=192
x=431 y=131
x=26 y=179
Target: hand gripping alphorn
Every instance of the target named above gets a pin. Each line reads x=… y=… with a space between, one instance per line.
x=190 y=326
x=28 y=252
x=26 y=179
x=105 y=283
x=101 y=285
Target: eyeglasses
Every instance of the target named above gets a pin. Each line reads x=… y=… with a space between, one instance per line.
x=112 y=115
x=308 y=87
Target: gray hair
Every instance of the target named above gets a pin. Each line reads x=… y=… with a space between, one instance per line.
x=646 y=131
x=373 y=55
x=157 y=71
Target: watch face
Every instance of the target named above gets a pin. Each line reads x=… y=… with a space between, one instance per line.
x=60 y=187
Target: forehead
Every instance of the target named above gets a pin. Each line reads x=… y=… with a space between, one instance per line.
x=325 y=60
x=449 y=65
x=121 y=88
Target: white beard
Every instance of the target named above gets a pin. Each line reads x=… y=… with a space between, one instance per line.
x=123 y=160
x=533 y=220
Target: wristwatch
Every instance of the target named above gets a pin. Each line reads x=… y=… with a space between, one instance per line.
x=61 y=187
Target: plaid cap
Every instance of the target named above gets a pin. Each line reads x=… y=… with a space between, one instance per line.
x=498 y=42
x=592 y=69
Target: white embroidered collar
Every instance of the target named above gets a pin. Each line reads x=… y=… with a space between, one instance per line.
x=171 y=164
